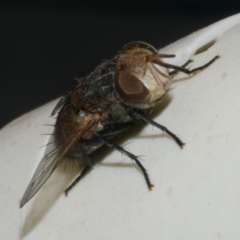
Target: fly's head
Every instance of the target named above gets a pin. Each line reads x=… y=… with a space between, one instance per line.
x=140 y=80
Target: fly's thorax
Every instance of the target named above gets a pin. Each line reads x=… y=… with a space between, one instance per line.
x=139 y=81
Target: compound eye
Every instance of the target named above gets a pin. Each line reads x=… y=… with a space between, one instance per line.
x=130 y=88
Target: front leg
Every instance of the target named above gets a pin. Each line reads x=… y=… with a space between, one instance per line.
x=141 y=116
x=185 y=70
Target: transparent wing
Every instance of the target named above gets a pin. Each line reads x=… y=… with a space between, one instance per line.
x=44 y=170
x=52 y=158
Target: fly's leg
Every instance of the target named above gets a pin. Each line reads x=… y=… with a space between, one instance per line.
x=185 y=70
x=89 y=165
x=130 y=155
x=79 y=177
x=174 y=72
x=141 y=116
x=86 y=158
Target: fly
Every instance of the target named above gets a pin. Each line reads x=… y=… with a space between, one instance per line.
x=103 y=103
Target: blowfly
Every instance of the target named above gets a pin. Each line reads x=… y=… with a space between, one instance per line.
x=105 y=102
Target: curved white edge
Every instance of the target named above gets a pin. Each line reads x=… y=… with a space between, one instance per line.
x=186 y=47
x=196 y=193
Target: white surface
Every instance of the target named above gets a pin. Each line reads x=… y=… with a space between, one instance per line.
x=185 y=48
x=197 y=189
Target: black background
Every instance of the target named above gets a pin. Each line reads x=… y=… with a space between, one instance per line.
x=43 y=47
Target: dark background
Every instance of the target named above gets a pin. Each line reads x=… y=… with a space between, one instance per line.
x=43 y=47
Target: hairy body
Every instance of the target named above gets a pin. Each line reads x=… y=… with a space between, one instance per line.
x=105 y=102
